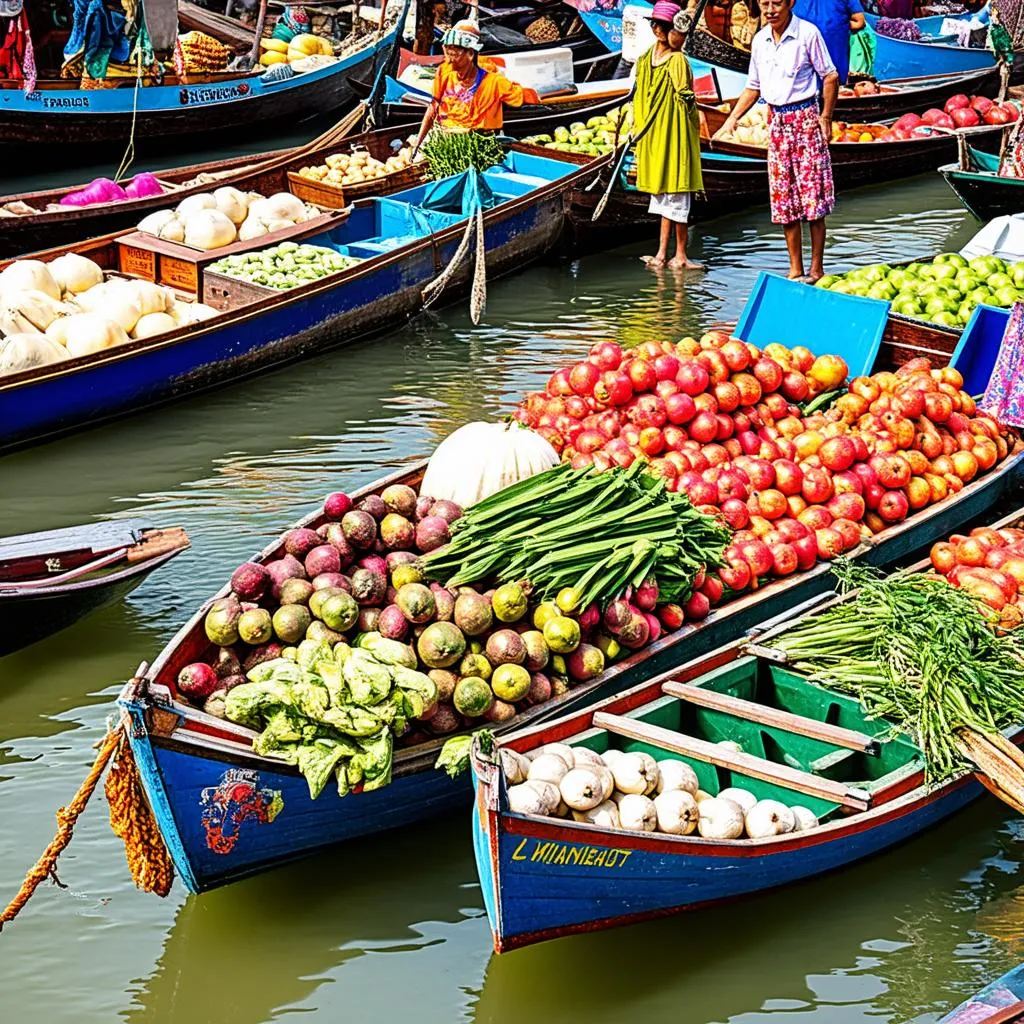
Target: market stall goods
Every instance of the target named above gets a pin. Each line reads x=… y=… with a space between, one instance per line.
x=285 y=265
x=595 y=137
x=944 y=290
x=356 y=167
x=799 y=464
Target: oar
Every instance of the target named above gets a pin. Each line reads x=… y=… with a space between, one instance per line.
x=1000 y=765
x=630 y=144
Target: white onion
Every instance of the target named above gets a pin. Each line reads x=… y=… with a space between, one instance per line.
x=677 y=812
x=804 y=818
x=675 y=774
x=638 y=813
x=743 y=797
x=720 y=819
x=581 y=789
x=769 y=818
x=547 y=768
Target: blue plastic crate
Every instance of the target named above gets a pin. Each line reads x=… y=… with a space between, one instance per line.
x=975 y=354
x=792 y=313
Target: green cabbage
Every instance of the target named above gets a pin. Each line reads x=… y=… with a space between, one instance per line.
x=368 y=680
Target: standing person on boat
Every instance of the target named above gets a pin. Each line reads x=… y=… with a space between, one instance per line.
x=668 y=153
x=787 y=61
x=466 y=97
x=836 y=20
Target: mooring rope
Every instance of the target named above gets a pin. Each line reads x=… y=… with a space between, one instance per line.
x=130 y=818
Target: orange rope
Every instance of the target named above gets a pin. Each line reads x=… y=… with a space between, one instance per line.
x=45 y=867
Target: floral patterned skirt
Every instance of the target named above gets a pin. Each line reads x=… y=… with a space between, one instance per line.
x=1004 y=396
x=799 y=167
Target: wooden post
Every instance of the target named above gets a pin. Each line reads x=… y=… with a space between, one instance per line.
x=261 y=20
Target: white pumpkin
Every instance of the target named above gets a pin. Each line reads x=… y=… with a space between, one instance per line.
x=151 y=324
x=209 y=229
x=74 y=273
x=480 y=459
x=154 y=223
x=86 y=334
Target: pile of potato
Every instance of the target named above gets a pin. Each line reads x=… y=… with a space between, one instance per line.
x=355 y=167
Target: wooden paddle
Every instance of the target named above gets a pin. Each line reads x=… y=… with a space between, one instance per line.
x=1000 y=765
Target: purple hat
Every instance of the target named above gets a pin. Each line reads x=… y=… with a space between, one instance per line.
x=664 y=10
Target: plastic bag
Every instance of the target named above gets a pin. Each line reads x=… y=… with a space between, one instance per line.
x=20 y=352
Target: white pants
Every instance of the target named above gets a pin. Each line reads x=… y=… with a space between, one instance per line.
x=673 y=205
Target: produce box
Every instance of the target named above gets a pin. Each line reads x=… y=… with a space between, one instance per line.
x=229 y=287
x=332 y=196
x=150 y=258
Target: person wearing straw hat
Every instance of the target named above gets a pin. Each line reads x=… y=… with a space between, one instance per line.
x=467 y=97
x=788 y=60
x=667 y=129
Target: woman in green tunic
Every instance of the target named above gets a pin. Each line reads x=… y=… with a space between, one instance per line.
x=668 y=154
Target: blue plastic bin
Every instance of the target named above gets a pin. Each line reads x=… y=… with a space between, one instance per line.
x=792 y=313
x=975 y=355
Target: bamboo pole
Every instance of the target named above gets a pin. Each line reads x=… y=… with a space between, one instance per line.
x=261 y=20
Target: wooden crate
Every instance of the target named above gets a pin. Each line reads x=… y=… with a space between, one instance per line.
x=180 y=266
x=223 y=292
x=333 y=196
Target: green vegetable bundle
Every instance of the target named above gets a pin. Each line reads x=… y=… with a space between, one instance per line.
x=450 y=153
x=285 y=265
x=598 y=533
x=918 y=651
x=334 y=711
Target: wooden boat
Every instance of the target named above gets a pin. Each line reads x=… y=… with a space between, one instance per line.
x=1001 y=1002
x=594 y=94
x=402 y=247
x=266 y=173
x=222 y=104
x=190 y=761
x=50 y=580
x=871 y=163
x=543 y=878
x=979 y=187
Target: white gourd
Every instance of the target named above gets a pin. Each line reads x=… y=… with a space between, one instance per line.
x=514 y=766
x=278 y=225
x=804 y=818
x=208 y=229
x=562 y=750
x=743 y=797
x=154 y=223
x=173 y=231
x=252 y=227
x=584 y=757
x=29 y=276
x=549 y=794
x=480 y=459
x=547 y=768
x=151 y=297
x=636 y=772
x=197 y=311
x=232 y=203
x=74 y=273
x=677 y=812
x=193 y=204
x=581 y=789
x=524 y=799
x=675 y=774
x=638 y=813
x=86 y=334
x=720 y=819
x=769 y=818
x=604 y=815
x=113 y=300
x=151 y=324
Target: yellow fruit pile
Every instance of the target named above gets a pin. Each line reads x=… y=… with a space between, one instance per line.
x=277 y=51
x=351 y=168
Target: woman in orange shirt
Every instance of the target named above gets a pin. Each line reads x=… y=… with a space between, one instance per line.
x=466 y=97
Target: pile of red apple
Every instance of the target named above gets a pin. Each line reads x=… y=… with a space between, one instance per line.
x=717 y=419
x=989 y=565
x=960 y=111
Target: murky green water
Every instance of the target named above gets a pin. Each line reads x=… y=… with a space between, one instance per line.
x=393 y=928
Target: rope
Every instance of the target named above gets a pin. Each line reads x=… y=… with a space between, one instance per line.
x=478 y=295
x=45 y=867
x=433 y=289
x=130 y=818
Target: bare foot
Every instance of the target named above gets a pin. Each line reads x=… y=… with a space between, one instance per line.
x=653 y=261
x=813 y=278
x=798 y=277
x=682 y=263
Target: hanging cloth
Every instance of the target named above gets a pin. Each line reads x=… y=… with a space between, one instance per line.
x=97 y=38
x=138 y=32
x=1004 y=396
x=17 y=58
x=862 y=51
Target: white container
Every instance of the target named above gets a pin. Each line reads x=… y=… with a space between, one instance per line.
x=637 y=37
x=545 y=70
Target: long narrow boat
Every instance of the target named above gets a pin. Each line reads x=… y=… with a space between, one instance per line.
x=50 y=580
x=189 y=760
x=981 y=189
x=543 y=878
x=1000 y=1002
x=222 y=104
x=402 y=247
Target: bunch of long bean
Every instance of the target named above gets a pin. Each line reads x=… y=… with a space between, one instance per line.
x=454 y=152
x=917 y=651
x=598 y=533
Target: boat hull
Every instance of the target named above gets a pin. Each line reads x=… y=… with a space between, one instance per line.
x=984 y=195
x=542 y=881
x=166 y=114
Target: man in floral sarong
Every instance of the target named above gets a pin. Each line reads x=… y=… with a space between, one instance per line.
x=788 y=62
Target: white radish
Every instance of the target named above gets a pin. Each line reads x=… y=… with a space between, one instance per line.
x=677 y=812
x=804 y=818
x=636 y=773
x=720 y=819
x=582 y=789
x=743 y=797
x=769 y=818
x=638 y=813
x=547 y=768
x=674 y=774
x=605 y=815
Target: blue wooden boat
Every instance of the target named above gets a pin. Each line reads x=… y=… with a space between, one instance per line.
x=544 y=877
x=1001 y=1002
x=932 y=55
x=403 y=246
x=167 y=115
x=980 y=188
x=226 y=813
x=51 y=579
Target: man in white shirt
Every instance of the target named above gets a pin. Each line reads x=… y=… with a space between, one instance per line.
x=789 y=62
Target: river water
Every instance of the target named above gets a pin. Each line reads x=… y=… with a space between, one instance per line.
x=393 y=928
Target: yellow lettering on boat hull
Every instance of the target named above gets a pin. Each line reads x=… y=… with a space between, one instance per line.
x=569 y=854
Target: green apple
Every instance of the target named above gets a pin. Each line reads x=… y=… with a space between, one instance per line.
x=843 y=287
x=997 y=281
x=944 y=272
x=881 y=290
x=945 y=318
x=952 y=258
x=1016 y=272
x=827 y=281
x=1006 y=296
x=907 y=305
